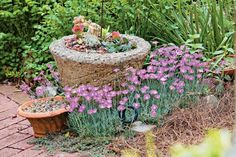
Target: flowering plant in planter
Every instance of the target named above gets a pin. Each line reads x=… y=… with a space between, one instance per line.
x=87 y=38
x=91 y=53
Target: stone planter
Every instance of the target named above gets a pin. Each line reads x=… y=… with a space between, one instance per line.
x=44 y=123
x=78 y=68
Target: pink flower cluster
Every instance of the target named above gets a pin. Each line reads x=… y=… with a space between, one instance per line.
x=90 y=97
x=154 y=110
x=38 y=88
x=25 y=88
x=170 y=63
x=141 y=94
x=171 y=68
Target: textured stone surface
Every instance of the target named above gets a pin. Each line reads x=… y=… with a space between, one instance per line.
x=58 y=48
x=97 y=69
x=11 y=130
x=9 y=152
x=63 y=154
x=29 y=153
x=12 y=139
x=23 y=144
x=15 y=94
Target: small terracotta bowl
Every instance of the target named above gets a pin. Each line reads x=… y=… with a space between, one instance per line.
x=44 y=123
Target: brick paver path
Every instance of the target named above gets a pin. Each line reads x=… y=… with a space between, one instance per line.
x=16 y=131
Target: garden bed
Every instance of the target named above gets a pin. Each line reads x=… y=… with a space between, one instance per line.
x=187 y=126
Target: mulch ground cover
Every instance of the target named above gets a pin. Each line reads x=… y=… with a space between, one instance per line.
x=187 y=126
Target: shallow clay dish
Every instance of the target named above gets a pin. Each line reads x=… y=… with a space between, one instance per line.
x=44 y=123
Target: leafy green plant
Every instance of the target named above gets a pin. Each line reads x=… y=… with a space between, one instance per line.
x=209 y=21
x=104 y=123
x=17 y=20
x=168 y=21
x=9 y=55
x=215 y=144
x=121 y=44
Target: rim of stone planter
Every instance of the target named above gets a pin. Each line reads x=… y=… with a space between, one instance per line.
x=59 y=48
x=22 y=113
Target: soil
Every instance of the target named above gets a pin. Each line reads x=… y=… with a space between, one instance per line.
x=73 y=44
x=45 y=106
x=187 y=126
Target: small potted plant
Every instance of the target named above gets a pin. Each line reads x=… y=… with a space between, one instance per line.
x=46 y=115
x=92 y=53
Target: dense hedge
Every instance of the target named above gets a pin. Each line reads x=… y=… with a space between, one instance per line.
x=17 y=21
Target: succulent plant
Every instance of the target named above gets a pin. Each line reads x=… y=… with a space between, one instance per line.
x=91 y=40
x=91 y=36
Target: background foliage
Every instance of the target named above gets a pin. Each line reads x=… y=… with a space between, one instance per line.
x=27 y=27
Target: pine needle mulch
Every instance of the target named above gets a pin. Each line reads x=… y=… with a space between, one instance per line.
x=187 y=126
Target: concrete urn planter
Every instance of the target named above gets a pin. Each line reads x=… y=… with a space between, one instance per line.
x=78 y=68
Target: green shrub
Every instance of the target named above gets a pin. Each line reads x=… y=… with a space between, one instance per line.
x=17 y=20
x=203 y=24
x=9 y=58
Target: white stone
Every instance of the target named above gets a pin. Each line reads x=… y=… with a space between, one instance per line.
x=143 y=128
x=137 y=123
x=211 y=100
x=51 y=91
